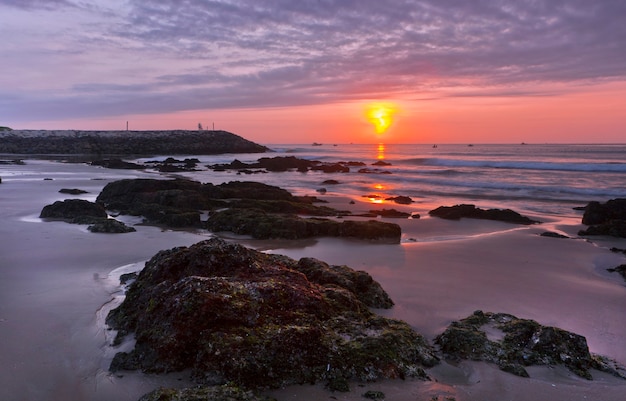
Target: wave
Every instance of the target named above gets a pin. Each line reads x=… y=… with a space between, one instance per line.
x=505 y=188
x=612 y=167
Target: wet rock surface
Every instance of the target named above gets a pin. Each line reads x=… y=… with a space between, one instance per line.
x=518 y=343
x=471 y=211
x=605 y=218
x=71 y=209
x=232 y=314
x=247 y=208
x=79 y=211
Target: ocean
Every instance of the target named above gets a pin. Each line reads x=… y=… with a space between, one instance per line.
x=538 y=179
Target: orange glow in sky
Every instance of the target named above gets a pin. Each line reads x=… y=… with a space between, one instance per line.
x=381 y=115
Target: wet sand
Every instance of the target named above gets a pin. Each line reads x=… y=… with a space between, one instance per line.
x=57 y=280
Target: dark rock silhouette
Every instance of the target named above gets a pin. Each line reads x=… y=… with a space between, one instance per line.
x=470 y=211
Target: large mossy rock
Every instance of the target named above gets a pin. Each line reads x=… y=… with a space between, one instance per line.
x=230 y=313
x=516 y=343
x=457 y=212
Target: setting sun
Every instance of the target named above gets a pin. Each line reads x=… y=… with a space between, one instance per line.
x=380 y=115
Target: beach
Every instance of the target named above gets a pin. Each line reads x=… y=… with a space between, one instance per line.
x=57 y=280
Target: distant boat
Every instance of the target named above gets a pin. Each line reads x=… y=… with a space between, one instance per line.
x=316 y=144
x=470 y=145
x=434 y=146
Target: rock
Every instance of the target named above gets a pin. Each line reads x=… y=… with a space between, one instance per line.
x=522 y=343
x=470 y=211
x=330 y=182
x=173 y=142
x=552 y=234
x=227 y=392
x=70 y=209
x=117 y=164
x=390 y=213
x=110 y=226
x=613 y=228
x=374 y=395
x=373 y=171
x=248 y=208
x=73 y=191
x=232 y=314
x=605 y=218
x=381 y=163
x=331 y=168
x=263 y=225
x=621 y=269
x=600 y=213
x=401 y=200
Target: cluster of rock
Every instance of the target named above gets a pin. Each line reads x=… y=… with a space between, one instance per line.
x=79 y=211
x=521 y=343
x=232 y=314
x=173 y=142
x=471 y=211
x=286 y=163
x=248 y=208
x=605 y=218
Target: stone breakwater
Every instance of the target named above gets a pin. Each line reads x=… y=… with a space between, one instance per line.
x=98 y=143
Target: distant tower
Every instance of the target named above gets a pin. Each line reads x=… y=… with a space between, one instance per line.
x=214 y=126
x=126 y=125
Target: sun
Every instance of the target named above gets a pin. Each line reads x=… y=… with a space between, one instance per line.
x=380 y=115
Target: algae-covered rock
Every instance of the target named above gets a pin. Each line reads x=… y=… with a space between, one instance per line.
x=520 y=343
x=232 y=314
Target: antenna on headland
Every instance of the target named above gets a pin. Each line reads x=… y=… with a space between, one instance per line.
x=126 y=125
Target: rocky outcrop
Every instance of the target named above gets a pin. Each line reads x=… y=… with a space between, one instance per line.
x=232 y=314
x=110 y=226
x=514 y=344
x=263 y=225
x=98 y=143
x=71 y=209
x=605 y=218
x=471 y=211
x=247 y=208
x=286 y=163
x=79 y=211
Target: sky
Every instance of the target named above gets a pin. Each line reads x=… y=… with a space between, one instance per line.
x=284 y=71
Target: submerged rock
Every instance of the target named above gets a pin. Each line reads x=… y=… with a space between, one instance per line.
x=521 y=343
x=471 y=211
x=232 y=314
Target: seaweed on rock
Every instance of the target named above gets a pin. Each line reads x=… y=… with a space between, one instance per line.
x=232 y=314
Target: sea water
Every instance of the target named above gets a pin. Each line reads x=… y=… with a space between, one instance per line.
x=544 y=179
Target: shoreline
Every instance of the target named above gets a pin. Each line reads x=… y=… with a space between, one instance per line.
x=55 y=274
